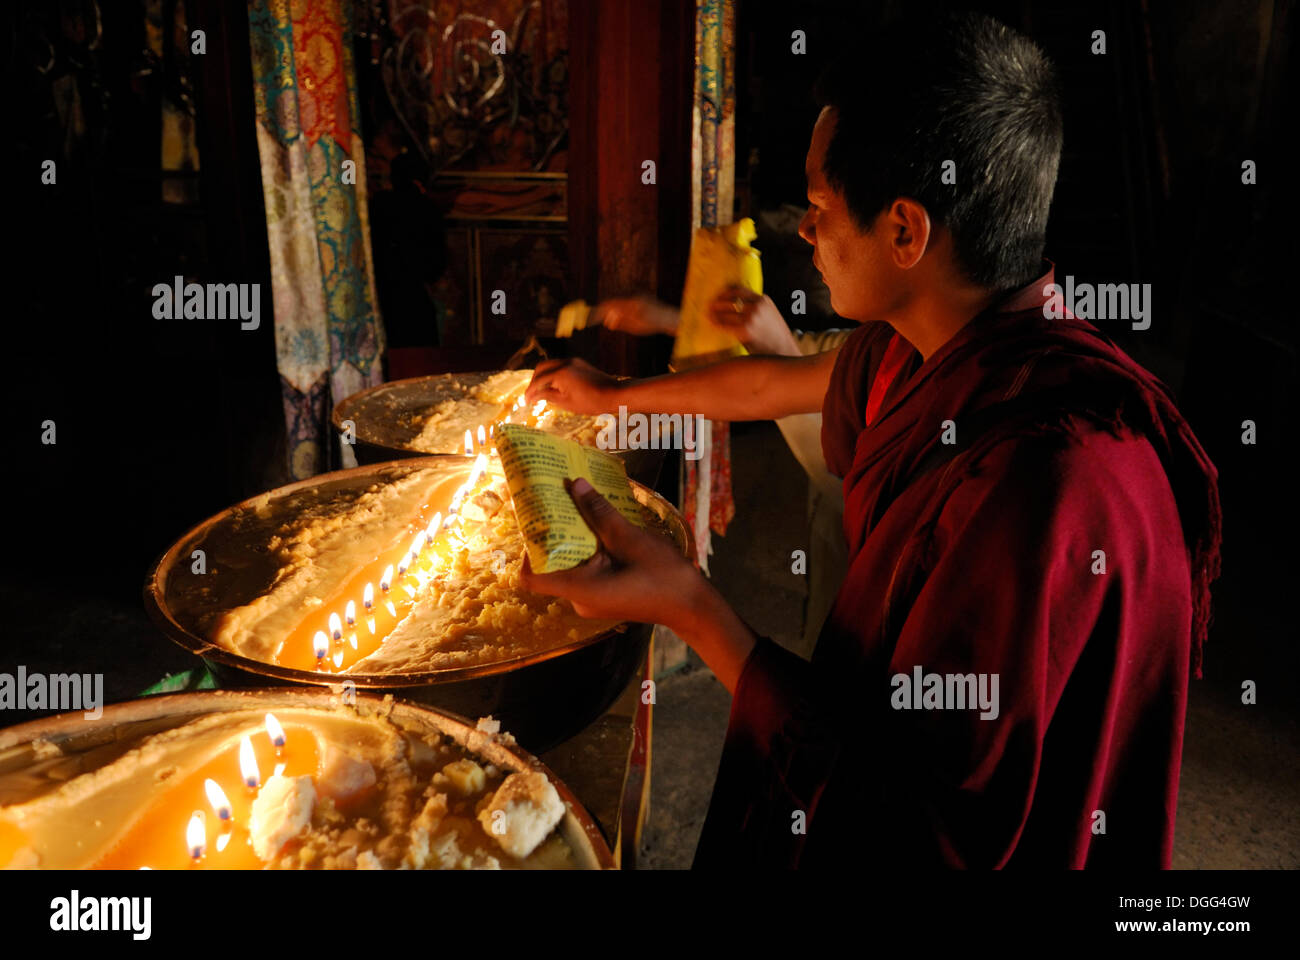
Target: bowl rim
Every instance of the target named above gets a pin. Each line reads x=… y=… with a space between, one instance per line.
x=337 y=418
x=159 y=611
x=65 y=726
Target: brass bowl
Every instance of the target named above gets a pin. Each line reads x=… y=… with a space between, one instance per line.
x=27 y=772
x=543 y=698
x=389 y=416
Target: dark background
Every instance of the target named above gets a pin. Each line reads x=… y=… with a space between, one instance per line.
x=163 y=423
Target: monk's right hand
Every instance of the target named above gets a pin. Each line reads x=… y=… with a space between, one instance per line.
x=573 y=385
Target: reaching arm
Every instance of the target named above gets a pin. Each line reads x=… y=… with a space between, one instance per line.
x=745 y=388
x=752 y=318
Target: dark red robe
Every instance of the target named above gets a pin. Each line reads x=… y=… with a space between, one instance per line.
x=981 y=557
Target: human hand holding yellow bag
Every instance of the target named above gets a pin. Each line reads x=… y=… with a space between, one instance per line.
x=721 y=258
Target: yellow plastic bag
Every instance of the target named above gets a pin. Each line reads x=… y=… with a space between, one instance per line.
x=721 y=257
x=536 y=464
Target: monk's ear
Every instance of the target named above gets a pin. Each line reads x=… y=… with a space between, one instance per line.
x=909 y=232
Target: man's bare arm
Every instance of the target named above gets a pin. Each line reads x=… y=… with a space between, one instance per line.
x=744 y=388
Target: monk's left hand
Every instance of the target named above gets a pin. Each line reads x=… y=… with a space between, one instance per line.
x=634 y=575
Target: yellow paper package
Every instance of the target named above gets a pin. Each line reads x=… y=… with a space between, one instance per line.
x=721 y=257
x=536 y=465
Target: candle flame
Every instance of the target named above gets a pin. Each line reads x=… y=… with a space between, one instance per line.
x=217 y=797
x=274 y=731
x=469 y=443
x=320 y=644
x=248 y=765
x=480 y=468
x=492 y=430
x=350 y=613
x=538 y=407
x=196 y=835
x=336 y=627
x=368 y=596
x=508 y=418
x=386 y=581
x=417 y=547
x=405 y=564
x=434 y=524
x=482 y=435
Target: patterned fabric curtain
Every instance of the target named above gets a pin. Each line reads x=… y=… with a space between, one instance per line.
x=706 y=483
x=328 y=336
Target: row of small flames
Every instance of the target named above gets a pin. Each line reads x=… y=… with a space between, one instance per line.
x=424 y=539
x=196 y=831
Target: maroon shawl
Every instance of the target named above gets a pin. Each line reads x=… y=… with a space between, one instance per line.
x=981 y=557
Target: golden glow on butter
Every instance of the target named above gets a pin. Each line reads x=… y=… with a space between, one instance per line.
x=423 y=553
x=158 y=839
x=12 y=839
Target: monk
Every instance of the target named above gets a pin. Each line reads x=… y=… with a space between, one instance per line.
x=1032 y=527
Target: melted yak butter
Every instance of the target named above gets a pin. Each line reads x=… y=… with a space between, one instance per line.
x=485 y=404
x=460 y=603
x=372 y=626
x=420 y=809
x=12 y=839
x=157 y=839
x=489 y=403
x=390 y=607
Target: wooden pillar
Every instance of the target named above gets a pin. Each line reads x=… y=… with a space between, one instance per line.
x=629 y=101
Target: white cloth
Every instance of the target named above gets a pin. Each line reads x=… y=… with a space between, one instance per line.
x=827 y=551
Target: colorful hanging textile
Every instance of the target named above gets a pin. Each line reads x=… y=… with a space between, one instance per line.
x=329 y=339
x=706 y=483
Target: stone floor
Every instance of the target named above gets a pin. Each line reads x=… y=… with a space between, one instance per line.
x=1240 y=787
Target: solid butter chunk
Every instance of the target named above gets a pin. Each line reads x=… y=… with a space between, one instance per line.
x=466 y=776
x=342 y=776
x=523 y=812
x=281 y=811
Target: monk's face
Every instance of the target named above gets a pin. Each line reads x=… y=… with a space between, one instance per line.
x=853 y=266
